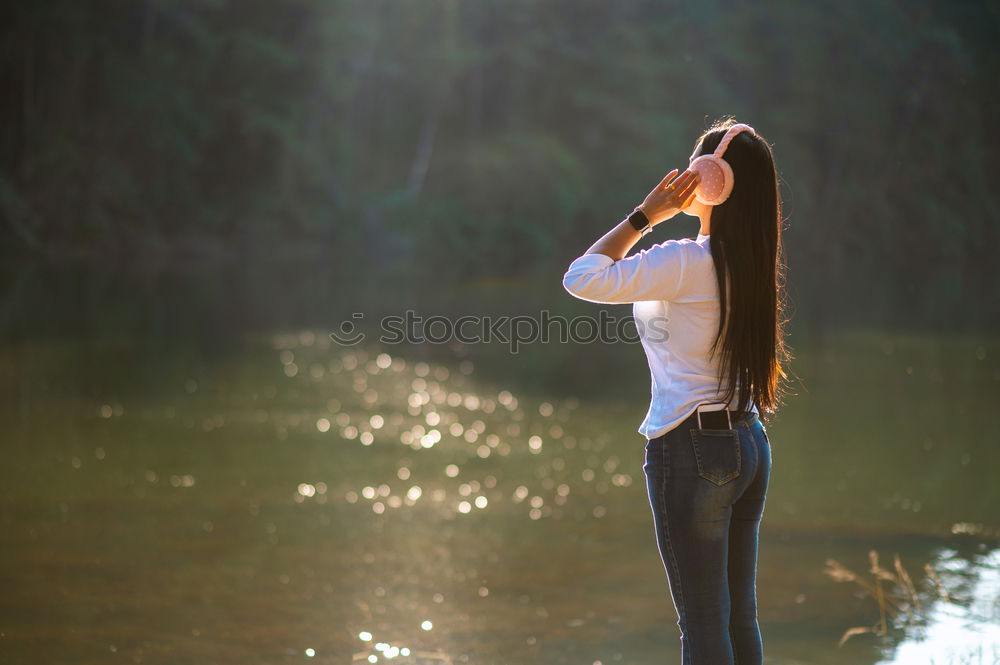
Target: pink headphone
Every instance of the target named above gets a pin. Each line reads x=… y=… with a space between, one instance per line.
x=716 y=182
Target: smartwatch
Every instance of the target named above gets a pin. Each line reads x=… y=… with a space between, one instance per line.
x=639 y=221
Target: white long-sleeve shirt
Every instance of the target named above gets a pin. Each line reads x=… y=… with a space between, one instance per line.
x=676 y=308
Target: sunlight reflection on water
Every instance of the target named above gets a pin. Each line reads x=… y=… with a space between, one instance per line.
x=419 y=405
x=304 y=496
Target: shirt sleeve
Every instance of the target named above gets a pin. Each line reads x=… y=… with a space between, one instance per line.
x=650 y=274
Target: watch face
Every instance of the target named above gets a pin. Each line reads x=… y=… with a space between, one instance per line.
x=638 y=220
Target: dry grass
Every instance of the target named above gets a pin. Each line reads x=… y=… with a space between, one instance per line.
x=894 y=592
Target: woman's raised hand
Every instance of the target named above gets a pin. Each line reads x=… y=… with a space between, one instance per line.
x=671 y=196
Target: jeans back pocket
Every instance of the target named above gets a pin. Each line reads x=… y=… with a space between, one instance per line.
x=717 y=454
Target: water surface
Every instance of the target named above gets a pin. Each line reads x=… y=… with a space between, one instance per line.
x=284 y=500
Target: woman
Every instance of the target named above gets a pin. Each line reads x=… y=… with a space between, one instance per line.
x=708 y=458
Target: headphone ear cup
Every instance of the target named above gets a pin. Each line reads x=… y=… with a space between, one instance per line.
x=716 y=182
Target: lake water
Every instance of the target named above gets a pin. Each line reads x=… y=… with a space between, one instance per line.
x=288 y=500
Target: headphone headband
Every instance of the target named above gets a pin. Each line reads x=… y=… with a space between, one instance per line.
x=730 y=135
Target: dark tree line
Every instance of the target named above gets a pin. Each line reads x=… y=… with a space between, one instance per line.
x=462 y=139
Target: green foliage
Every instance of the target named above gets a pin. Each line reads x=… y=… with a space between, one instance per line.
x=491 y=138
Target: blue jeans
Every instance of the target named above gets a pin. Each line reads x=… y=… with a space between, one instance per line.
x=706 y=489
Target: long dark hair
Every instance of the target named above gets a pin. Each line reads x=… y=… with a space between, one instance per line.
x=750 y=268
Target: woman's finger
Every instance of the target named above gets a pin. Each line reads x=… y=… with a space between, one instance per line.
x=692 y=185
x=663 y=183
x=682 y=180
x=684 y=203
x=686 y=188
x=671 y=179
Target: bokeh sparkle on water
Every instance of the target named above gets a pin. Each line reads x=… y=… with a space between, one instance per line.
x=296 y=500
